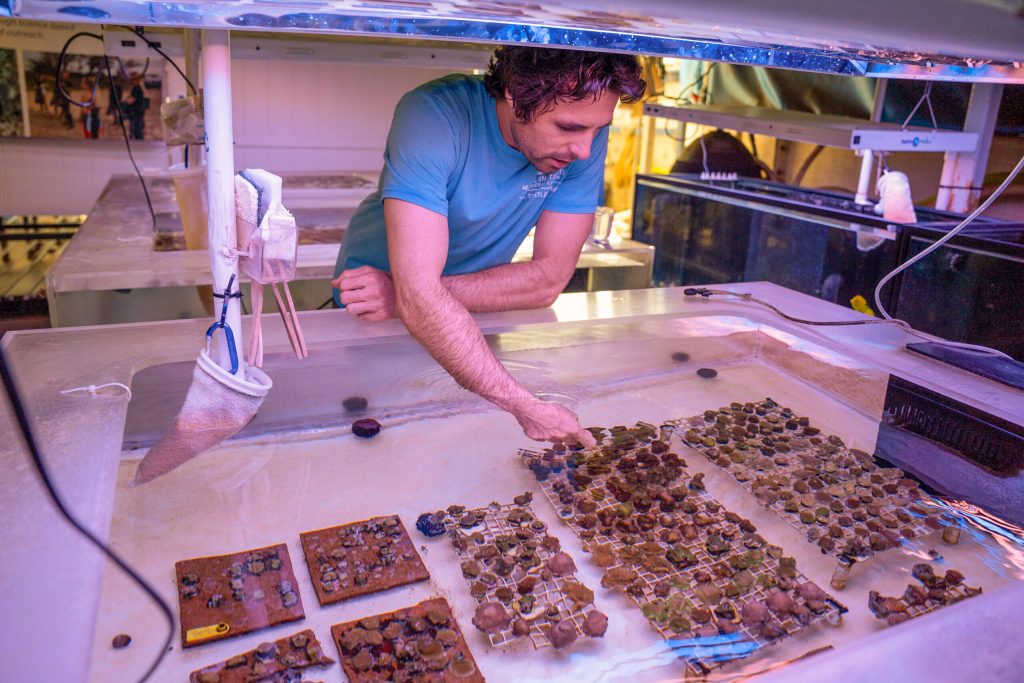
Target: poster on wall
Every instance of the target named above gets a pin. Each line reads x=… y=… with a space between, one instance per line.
x=89 y=107
x=11 y=124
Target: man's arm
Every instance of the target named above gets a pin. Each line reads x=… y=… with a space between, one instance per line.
x=417 y=249
x=557 y=242
x=558 y=239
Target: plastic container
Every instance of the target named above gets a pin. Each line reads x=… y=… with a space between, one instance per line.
x=603 y=217
x=190 y=193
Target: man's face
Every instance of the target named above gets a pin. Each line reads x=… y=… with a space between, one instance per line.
x=561 y=135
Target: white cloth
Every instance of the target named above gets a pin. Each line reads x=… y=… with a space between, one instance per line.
x=213 y=411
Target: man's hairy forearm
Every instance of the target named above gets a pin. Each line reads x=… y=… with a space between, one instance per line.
x=513 y=286
x=444 y=327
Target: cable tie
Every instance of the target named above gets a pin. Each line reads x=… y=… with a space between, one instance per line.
x=93 y=389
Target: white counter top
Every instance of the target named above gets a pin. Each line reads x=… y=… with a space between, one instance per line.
x=110 y=273
x=114 y=247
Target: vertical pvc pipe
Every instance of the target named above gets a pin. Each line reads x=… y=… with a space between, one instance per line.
x=864 y=181
x=220 y=183
x=963 y=173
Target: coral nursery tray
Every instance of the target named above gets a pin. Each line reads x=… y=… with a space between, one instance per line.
x=229 y=595
x=935 y=591
x=361 y=558
x=278 y=661
x=702 y=574
x=838 y=497
x=418 y=643
x=523 y=582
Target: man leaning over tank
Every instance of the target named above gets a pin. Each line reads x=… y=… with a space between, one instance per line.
x=471 y=165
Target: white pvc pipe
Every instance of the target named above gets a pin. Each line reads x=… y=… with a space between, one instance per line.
x=220 y=184
x=864 y=181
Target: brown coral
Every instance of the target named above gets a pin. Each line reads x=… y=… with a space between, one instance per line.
x=596 y=624
x=491 y=617
x=561 y=564
x=563 y=634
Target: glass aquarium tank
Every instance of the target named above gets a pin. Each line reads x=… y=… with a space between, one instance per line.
x=824 y=244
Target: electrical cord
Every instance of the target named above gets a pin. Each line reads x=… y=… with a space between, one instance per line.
x=153 y=46
x=113 y=98
x=925 y=98
x=699 y=80
x=886 y=318
x=945 y=238
x=128 y=144
x=679 y=100
x=37 y=459
x=707 y=293
x=60 y=70
x=124 y=72
x=799 y=177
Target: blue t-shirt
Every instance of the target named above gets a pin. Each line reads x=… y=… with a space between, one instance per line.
x=445 y=153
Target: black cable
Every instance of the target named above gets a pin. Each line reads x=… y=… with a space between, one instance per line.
x=115 y=100
x=37 y=459
x=799 y=177
x=325 y=304
x=153 y=46
x=708 y=293
x=60 y=70
x=699 y=79
x=124 y=71
x=127 y=143
x=670 y=136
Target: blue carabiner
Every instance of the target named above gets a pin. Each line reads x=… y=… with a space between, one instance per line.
x=232 y=353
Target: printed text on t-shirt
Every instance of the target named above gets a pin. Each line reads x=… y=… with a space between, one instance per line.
x=545 y=184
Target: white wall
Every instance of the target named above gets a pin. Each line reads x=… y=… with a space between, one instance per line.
x=311 y=116
x=288 y=116
x=64 y=176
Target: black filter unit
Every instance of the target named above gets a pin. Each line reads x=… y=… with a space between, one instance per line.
x=956 y=449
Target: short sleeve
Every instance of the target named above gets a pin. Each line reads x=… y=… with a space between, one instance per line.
x=579 y=192
x=421 y=153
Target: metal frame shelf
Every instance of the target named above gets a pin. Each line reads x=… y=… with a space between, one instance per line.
x=831 y=131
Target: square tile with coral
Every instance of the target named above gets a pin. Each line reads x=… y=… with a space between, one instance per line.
x=230 y=595
x=361 y=558
x=281 y=660
x=418 y=643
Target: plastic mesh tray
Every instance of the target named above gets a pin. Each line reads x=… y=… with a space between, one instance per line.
x=837 y=496
x=901 y=608
x=494 y=523
x=569 y=481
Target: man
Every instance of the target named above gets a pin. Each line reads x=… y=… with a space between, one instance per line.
x=471 y=166
x=138 y=103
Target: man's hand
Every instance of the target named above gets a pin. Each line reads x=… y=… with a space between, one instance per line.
x=545 y=421
x=367 y=293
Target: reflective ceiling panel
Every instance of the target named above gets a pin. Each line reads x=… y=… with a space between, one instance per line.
x=964 y=40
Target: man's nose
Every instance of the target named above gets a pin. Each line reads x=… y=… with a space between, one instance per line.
x=580 y=147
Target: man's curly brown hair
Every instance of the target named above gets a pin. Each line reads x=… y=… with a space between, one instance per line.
x=536 y=79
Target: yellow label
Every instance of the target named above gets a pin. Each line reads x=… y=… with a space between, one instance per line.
x=860 y=304
x=204 y=632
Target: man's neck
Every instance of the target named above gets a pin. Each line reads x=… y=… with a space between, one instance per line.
x=505 y=114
